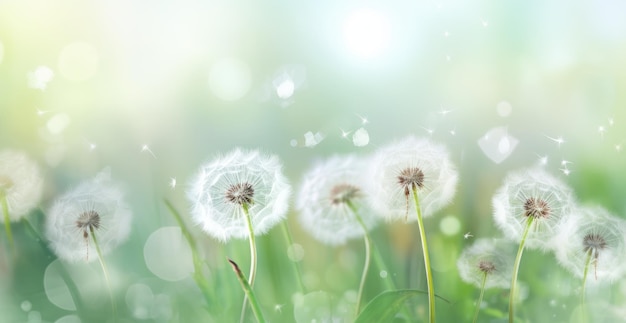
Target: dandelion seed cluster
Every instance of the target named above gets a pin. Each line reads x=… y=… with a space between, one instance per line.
x=95 y=207
x=593 y=232
x=493 y=257
x=20 y=183
x=397 y=168
x=223 y=186
x=326 y=197
x=537 y=194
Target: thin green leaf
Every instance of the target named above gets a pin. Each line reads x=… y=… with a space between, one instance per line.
x=386 y=305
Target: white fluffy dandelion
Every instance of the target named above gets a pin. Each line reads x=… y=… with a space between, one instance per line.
x=487 y=263
x=594 y=241
x=411 y=162
x=489 y=259
x=21 y=185
x=530 y=208
x=535 y=194
x=329 y=196
x=418 y=170
x=95 y=207
x=223 y=186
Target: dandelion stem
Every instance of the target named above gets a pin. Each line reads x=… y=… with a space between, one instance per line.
x=7 y=221
x=429 y=275
x=368 y=253
x=252 y=258
x=296 y=267
x=480 y=298
x=201 y=281
x=583 y=317
x=256 y=309
x=529 y=222
x=104 y=270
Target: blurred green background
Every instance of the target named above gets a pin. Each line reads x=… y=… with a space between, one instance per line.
x=153 y=89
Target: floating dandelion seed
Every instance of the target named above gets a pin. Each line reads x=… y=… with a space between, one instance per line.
x=467 y=236
x=279 y=308
x=618 y=147
x=429 y=131
x=145 y=148
x=543 y=160
x=364 y=120
x=611 y=122
x=444 y=112
x=559 y=140
x=601 y=131
x=92 y=146
x=485 y=23
x=173 y=182
x=344 y=134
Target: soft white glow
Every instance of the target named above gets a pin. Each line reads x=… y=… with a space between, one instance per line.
x=285 y=89
x=230 y=79
x=40 y=77
x=78 y=61
x=366 y=33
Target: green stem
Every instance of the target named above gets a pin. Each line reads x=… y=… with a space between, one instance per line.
x=104 y=270
x=247 y=289
x=296 y=267
x=368 y=253
x=429 y=275
x=252 y=258
x=198 y=277
x=583 y=311
x=480 y=298
x=7 y=221
x=529 y=222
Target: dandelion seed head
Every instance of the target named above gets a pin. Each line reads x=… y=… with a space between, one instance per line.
x=222 y=186
x=409 y=164
x=593 y=232
x=343 y=193
x=493 y=257
x=240 y=194
x=594 y=243
x=330 y=193
x=88 y=221
x=95 y=205
x=537 y=194
x=536 y=208
x=20 y=184
x=486 y=266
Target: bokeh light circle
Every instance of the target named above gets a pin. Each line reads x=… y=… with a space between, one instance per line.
x=168 y=255
x=230 y=79
x=504 y=108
